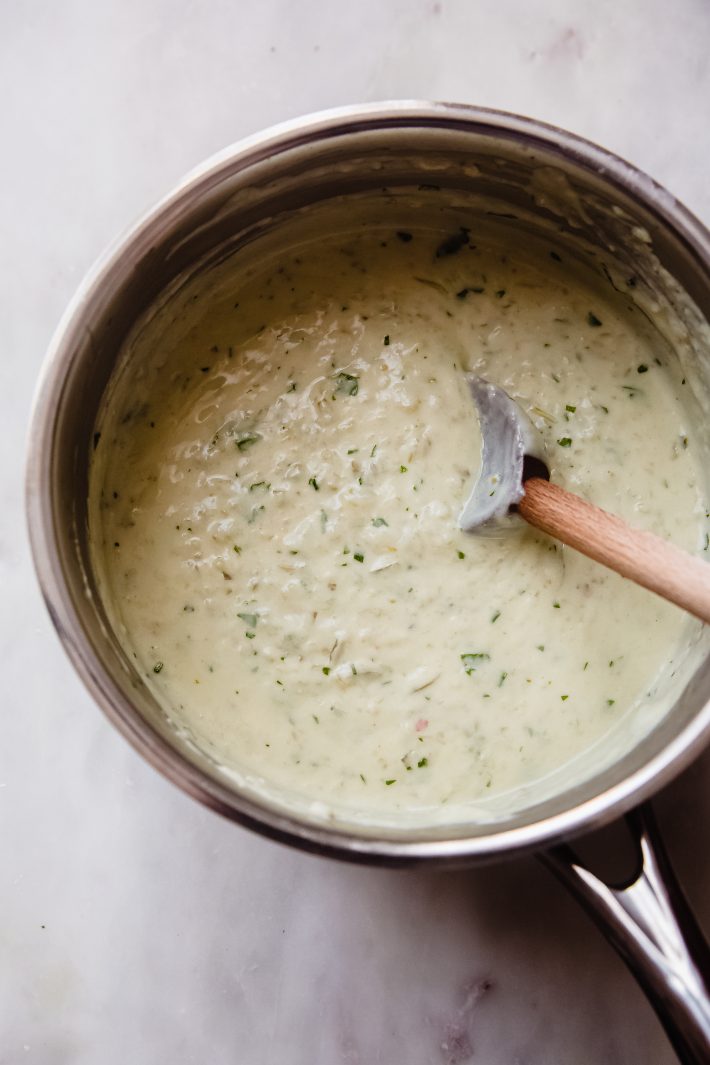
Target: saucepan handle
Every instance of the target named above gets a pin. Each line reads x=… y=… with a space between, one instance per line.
x=649 y=923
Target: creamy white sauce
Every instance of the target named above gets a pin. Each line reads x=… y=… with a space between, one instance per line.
x=277 y=486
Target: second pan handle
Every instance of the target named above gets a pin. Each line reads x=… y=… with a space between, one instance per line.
x=648 y=921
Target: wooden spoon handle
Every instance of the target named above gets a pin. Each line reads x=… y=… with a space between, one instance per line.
x=642 y=557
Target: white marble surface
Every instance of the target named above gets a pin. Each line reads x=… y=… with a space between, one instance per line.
x=136 y=926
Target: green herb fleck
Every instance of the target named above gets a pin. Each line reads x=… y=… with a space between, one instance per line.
x=565 y=441
x=387 y=341
x=642 y=368
x=610 y=702
x=471 y=659
x=346 y=384
x=501 y=682
x=500 y=293
x=378 y=522
x=388 y=782
x=237 y=549
x=326 y=670
x=461 y=554
x=258 y=486
x=249 y=620
x=570 y=408
x=157 y=667
x=564 y=698
x=556 y=606
x=250 y=636
x=422 y=763
x=358 y=557
x=402 y=469
x=314 y=484
x=495 y=617
x=593 y=320
x=541 y=647
x=246 y=440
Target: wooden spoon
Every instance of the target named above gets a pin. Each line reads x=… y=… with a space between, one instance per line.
x=514 y=483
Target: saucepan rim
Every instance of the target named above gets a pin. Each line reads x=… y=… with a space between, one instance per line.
x=289 y=827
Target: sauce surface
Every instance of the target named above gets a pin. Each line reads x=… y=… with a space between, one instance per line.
x=279 y=493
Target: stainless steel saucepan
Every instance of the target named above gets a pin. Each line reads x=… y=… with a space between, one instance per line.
x=539 y=177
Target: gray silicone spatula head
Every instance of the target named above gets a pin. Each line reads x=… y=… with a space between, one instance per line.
x=508 y=439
